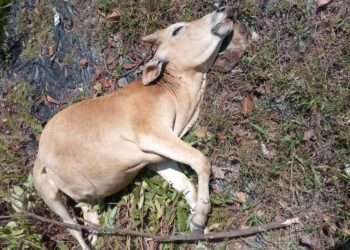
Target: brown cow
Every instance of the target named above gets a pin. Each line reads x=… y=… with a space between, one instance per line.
x=95 y=148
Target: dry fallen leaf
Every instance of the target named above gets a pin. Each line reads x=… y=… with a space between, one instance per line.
x=308 y=135
x=315 y=119
x=104 y=83
x=111 y=41
x=49 y=99
x=178 y=4
x=321 y=3
x=51 y=51
x=98 y=88
x=247 y=105
x=332 y=228
x=97 y=72
x=36 y=10
x=107 y=83
x=129 y=65
x=241 y=197
x=261 y=90
x=268 y=153
x=201 y=133
x=115 y=14
x=221 y=136
x=346 y=231
x=83 y=61
x=218 y=173
x=234 y=51
x=310 y=241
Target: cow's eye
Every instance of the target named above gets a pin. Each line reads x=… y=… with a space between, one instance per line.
x=176 y=31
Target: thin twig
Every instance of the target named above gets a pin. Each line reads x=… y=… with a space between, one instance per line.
x=156 y=238
x=91 y=229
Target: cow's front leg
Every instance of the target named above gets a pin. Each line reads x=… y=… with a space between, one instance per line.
x=168 y=145
x=172 y=173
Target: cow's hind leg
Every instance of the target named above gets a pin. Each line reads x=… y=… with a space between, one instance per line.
x=49 y=192
x=90 y=219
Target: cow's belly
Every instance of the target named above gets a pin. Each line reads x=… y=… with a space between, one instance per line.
x=97 y=174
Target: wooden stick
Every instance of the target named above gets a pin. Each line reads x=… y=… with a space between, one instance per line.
x=230 y=234
x=156 y=238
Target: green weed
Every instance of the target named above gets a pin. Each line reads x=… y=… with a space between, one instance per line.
x=5 y=6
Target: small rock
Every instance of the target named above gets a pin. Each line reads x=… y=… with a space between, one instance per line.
x=347 y=169
x=254 y=36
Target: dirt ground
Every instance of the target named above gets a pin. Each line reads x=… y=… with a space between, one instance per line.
x=276 y=127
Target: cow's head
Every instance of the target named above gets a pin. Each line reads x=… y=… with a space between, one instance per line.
x=188 y=45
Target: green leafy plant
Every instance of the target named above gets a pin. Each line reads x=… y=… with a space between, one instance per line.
x=20 y=233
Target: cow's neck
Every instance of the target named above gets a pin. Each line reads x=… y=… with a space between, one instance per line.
x=192 y=83
x=187 y=89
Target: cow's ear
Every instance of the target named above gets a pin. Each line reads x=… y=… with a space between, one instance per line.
x=152 y=38
x=152 y=71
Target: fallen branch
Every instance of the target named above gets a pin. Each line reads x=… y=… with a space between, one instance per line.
x=125 y=232
x=230 y=234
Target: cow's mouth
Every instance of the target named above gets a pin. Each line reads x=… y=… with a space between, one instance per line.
x=226 y=41
x=224 y=28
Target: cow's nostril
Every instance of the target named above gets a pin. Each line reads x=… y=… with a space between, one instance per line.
x=221 y=9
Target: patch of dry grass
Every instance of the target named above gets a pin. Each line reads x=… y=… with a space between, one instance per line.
x=298 y=71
